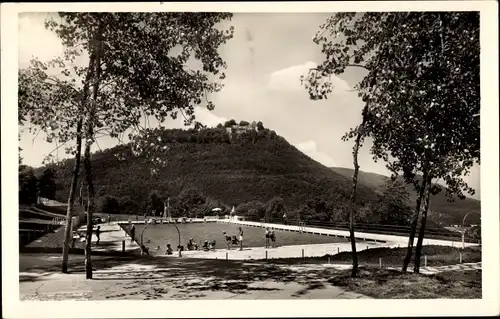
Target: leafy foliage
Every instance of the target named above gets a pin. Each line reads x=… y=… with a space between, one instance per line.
x=421 y=93
x=427 y=86
x=135 y=73
x=441 y=211
x=253 y=210
x=230 y=123
x=46 y=183
x=190 y=202
x=28 y=185
x=143 y=59
x=474 y=232
x=275 y=208
x=109 y=205
x=393 y=204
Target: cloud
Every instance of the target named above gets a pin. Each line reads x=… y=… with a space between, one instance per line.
x=35 y=40
x=310 y=149
x=288 y=79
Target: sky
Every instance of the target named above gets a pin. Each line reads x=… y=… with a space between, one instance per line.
x=266 y=57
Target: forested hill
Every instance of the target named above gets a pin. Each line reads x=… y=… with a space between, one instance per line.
x=444 y=211
x=229 y=165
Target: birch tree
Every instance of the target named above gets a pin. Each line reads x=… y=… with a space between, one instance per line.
x=424 y=122
x=138 y=68
x=421 y=93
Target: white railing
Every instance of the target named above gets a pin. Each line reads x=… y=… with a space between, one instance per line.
x=402 y=240
x=216 y=217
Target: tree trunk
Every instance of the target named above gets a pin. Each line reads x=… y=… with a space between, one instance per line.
x=355 y=152
x=90 y=208
x=418 y=249
x=74 y=181
x=71 y=200
x=414 y=223
x=353 y=203
x=87 y=165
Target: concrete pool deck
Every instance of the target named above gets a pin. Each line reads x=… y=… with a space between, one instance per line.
x=293 y=251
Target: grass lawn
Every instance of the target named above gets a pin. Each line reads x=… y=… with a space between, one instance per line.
x=393 y=284
x=160 y=235
x=393 y=257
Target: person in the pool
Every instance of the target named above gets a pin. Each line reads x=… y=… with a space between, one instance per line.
x=211 y=244
x=169 y=251
x=191 y=245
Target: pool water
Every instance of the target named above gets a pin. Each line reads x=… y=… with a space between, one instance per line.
x=162 y=234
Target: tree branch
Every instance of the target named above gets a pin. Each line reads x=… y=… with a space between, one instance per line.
x=97 y=143
x=105 y=84
x=357 y=66
x=56 y=149
x=183 y=115
x=34 y=138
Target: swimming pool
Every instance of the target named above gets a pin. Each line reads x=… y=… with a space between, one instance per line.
x=163 y=234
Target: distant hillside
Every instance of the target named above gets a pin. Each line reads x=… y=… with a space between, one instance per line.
x=448 y=213
x=233 y=168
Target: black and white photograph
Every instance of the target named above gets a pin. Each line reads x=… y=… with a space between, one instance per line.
x=244 y=153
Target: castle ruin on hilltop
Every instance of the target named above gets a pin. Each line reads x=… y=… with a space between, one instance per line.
x=242 y=127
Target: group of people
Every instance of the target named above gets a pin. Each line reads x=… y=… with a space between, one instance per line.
x=209 y=244
x=270 y=237
x=233 y=240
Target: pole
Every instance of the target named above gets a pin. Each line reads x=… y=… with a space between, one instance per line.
x=425 y=261
x=81 y=195
x=302 y=253
x=178 y=232
x=380 y=262
x=461 y=260
x=463 y=239
x=168 y=209
x=145 y=226
x=164 y=210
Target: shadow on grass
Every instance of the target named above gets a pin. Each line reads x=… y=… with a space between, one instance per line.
x=393 y=284
x=393 y=257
